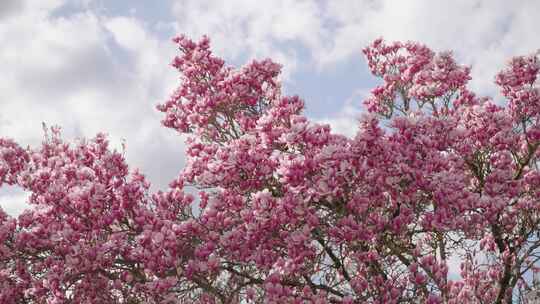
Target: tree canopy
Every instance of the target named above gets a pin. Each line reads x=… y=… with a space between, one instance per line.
x=435 y=200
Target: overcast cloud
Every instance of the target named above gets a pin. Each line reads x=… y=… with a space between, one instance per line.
x=97 y=65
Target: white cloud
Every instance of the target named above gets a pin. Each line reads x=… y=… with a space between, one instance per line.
x=48 y=62
x=346 y=121
x=255 y=29
x=88 y=73
x=13 y=200
x=128 y=32
x=482 y=33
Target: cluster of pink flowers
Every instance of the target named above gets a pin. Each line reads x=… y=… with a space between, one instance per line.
x=12 y=160
x=414 y=75
x=287 y=211
x=519 y=83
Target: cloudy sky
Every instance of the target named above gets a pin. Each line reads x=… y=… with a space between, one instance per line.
x=102 y=65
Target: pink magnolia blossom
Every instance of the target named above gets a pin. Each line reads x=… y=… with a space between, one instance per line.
x=289 y=212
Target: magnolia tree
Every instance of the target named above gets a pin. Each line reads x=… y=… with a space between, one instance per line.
x=435 y=200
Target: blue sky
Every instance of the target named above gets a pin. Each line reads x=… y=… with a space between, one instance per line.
x=102 y=65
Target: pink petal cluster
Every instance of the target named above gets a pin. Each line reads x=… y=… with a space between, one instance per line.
x=518 y=82
x=414 y=76
x=286 y=210
x=520 y=85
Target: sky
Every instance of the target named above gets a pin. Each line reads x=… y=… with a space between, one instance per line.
x=94 y=66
